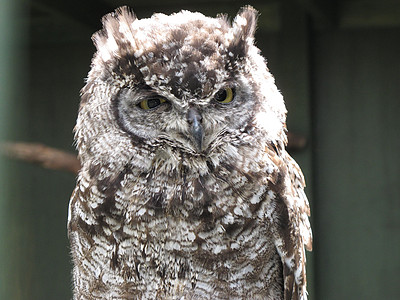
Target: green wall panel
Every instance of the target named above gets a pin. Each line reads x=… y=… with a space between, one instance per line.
x=357 y=92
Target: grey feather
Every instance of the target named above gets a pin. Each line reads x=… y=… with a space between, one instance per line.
x=186 y=190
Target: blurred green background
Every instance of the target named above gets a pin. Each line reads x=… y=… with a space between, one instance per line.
x=337 y=64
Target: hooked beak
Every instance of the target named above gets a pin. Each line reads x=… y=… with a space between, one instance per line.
x=194 y=119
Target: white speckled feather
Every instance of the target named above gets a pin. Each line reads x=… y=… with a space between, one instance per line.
x=186 y=190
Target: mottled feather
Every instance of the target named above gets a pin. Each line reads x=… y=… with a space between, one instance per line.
x=186 y=190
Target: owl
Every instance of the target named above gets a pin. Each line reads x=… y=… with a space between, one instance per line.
x=186 y=190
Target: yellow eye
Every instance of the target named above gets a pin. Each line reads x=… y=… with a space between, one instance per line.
x=151 y=103
x=225 y=95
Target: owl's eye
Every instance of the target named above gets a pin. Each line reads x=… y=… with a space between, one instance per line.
x=151 y=103
x=225 y=95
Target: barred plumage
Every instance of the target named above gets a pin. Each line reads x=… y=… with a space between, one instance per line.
x=186 y=190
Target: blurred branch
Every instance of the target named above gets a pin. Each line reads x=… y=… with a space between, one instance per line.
x=51 y=158
x=42 y=155
x=296 y=142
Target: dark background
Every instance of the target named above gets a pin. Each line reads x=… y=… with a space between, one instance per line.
x=337 y=64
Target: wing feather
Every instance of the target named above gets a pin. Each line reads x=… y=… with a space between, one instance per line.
x=292 y=232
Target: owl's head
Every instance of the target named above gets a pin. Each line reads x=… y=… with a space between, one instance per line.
x=183 y=82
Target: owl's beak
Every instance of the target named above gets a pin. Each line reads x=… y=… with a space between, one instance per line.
x=194 y=119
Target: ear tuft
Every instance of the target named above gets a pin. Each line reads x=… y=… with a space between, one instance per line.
x=243 y=29
x=116 y=30
x=246 y=22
